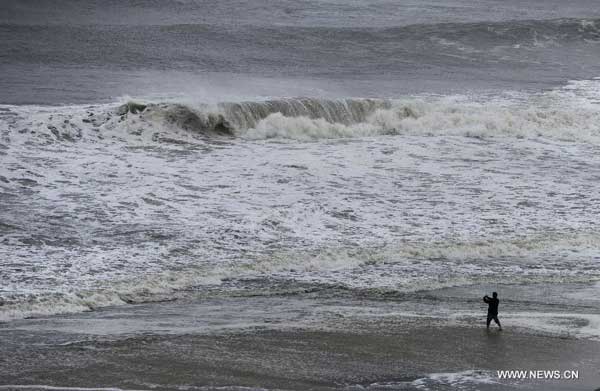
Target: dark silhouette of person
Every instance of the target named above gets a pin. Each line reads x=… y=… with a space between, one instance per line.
x=492 y=303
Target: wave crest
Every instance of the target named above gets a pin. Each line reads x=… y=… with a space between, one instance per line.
x=570 y=113
x=236 y=118
x=312 y=119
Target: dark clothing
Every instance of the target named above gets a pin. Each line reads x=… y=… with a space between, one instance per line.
x=493 y=317
x=492 y=303
x=492 y=306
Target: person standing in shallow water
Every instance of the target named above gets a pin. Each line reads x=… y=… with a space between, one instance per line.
x=492 y=303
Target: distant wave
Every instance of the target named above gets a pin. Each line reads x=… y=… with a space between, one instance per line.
x=317 y=50
x=484 y=35
x=488 y=32
x=525 y=32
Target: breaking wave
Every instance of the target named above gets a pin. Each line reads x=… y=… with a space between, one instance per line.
x=440 y=118
x=237 y=118
x=569 y=113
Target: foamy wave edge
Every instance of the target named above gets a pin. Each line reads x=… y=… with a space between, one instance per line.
x=436 y=257
x=569 y=113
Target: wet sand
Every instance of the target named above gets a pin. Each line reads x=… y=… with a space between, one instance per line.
x=386 y=352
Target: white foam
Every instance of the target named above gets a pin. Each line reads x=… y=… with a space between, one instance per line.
x=538 y=116
x=571 y=112
x=562 y=324
x=464 y=380
x=119 y=215
x=154 y=287
x=461 y=264
x=573 y=325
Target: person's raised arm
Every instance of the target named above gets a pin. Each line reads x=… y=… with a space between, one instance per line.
x=486 y=299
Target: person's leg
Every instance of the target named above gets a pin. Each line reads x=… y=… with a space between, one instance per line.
x=497 y=322
x=489 y=320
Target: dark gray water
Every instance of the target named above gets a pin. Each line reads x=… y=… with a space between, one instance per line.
x=86 y=51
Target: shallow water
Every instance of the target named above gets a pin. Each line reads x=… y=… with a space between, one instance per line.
x=284 y=336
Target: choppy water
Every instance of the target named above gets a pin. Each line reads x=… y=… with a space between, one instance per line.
x=375 y=146
x=71 y=51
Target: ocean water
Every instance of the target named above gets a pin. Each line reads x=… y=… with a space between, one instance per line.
x=375 y=147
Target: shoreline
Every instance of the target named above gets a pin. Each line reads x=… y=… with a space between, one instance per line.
x=301 y=360
x=103 y=349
